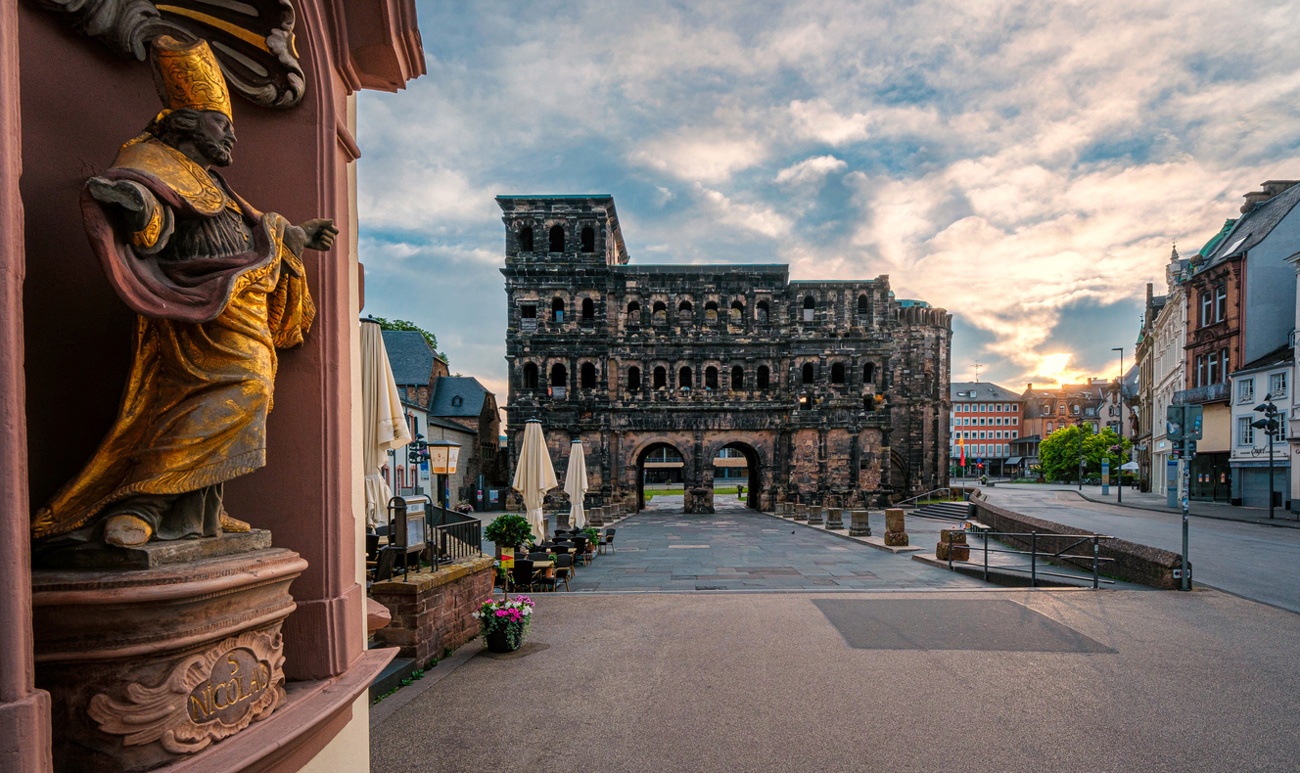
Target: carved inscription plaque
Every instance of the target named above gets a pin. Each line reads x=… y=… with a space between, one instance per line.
x=205 y=697
x=237 y=680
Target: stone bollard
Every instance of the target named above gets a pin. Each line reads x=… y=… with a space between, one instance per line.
x=957 y=539
x=834 y=518
x=596 y=517
x=815 y=516
x=859 y=526
x=895 y=533
x=801 y=512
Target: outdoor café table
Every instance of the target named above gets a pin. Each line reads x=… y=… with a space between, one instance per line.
x=545 y=568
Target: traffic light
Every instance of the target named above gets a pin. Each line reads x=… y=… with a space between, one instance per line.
x=1192 y=420
x=1174 y=422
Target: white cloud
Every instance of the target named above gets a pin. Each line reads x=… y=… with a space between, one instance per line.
x=810 y=170
x=708 y=156
x=758 y=219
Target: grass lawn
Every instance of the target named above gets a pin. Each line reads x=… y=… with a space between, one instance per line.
x=650 y=494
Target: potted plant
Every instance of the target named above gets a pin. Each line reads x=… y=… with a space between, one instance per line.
x=504 y=623
x=508 y=531
x=593 y=538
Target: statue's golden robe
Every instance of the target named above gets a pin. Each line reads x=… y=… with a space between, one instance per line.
x=194 y=410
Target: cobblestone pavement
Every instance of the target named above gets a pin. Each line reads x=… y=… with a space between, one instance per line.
x=660 y=549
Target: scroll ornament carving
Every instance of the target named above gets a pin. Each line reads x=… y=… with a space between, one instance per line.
x=253 y=39
x=205 y=698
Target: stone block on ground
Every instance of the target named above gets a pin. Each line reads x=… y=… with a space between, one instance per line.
x=894 y=519
x=955 y=536
x=859 y=526
x=960 y=552
x=834 y=518
x=815 y=516
x=801 y=512
x=896 y=539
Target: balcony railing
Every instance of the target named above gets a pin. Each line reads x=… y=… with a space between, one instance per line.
x=1210 y=393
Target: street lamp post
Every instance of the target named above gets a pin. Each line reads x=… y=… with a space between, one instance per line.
x=1119 y=402
x=1080 y=425
x=1270 y=425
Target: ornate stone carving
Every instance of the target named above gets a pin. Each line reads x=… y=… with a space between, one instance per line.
x=205 y=698
x=253 y=39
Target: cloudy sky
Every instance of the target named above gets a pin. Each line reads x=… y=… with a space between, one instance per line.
x=1024 y=165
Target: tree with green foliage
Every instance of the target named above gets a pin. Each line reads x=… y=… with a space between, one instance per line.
x=1058 y=454
x=401 y=324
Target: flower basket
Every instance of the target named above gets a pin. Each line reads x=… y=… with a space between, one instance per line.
x=504 y=623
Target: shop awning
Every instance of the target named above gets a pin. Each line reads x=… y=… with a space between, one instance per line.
x=1013 y=460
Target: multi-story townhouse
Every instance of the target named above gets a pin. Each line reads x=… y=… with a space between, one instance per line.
x=1240 y=307
x=986 y=419
x=1168 y=374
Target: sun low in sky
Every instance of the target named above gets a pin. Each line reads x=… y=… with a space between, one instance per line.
x=1025 y=165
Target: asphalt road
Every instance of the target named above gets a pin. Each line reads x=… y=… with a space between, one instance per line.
x=1257 y=562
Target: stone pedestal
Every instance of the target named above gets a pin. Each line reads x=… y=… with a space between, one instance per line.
x=815 y=515
x=954 y=541
x=834 y=518
x=596 y=516
x=859 y=526
x=895 y=531
x=698 y=500
x=147 y=666
x=801 y=512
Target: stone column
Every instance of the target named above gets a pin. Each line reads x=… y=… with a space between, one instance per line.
x=815 y=515
x=801 y=512
x=24 y=710
x=834 y=518
x=859 y=526
x=895 y=532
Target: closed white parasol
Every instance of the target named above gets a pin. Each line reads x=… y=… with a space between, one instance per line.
x=534 y=476
x=575 y=483
x=383 y=422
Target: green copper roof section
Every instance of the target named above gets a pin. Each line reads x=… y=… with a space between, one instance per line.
x=1210 y=246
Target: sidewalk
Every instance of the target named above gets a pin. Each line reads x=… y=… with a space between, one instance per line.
x=1156 y=502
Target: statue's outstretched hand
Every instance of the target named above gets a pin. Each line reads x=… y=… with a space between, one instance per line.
x=320 y=233
x=131 y=197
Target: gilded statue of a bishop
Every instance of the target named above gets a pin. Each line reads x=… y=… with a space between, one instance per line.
x=217 y=286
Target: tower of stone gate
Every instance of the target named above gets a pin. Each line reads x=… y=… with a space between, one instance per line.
x=826 y=389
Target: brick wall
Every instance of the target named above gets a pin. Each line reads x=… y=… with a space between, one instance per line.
x=433 y=611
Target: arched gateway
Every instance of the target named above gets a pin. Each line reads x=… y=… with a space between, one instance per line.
x=809 y=387
x=660 y=464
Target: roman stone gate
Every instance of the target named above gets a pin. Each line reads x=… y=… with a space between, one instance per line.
x=713 y=377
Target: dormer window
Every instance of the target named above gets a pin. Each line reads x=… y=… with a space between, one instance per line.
x=457 y=401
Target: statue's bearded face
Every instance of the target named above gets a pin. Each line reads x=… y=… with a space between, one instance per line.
x=214 y=137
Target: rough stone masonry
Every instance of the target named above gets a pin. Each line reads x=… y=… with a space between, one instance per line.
x=833 y=392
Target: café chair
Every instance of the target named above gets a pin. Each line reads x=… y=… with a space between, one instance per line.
x=563 y=570
x=607 y=541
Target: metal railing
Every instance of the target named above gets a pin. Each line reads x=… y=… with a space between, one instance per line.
x=454 y=535
x=1035 y=554
x=946 y=491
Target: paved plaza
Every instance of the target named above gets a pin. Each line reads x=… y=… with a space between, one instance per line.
x=744 y=642
x=1000 y=681
x=737 y=549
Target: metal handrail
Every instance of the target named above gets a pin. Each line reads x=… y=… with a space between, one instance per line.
x=926 y=495
x=1034 y=553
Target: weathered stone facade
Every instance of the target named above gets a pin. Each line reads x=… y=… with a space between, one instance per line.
x=834 y=392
